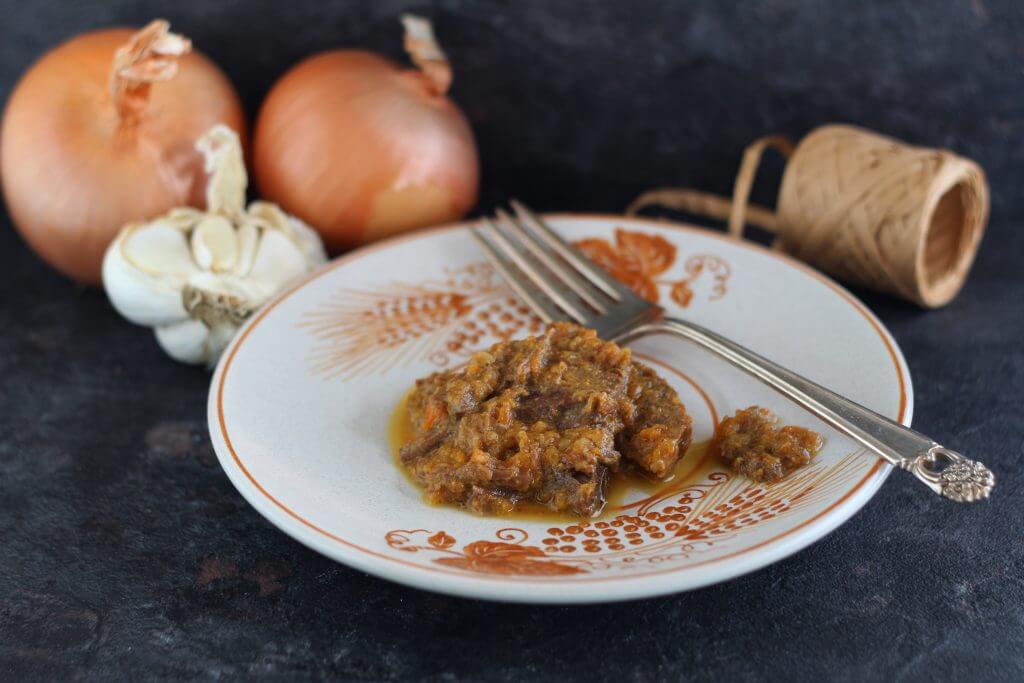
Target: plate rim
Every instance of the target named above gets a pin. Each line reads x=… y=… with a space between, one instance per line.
x=651 y=584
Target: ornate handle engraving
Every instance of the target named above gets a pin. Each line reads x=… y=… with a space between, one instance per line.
x=947 y=472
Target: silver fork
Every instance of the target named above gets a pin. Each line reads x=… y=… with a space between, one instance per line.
x=559 y=283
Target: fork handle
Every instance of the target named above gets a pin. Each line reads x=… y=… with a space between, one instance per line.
x=941 y=469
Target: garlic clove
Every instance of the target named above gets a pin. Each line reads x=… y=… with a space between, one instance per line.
x=309 y=243
x=182 y=218
x=278 y=260
x=132 y=275
x=184 y=341
x=214 y=244
x=157 y=248
x=267 y=215
x=248 y=239
x=270 y=216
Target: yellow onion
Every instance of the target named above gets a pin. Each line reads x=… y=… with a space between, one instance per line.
x=360 y=148
x=100 y=132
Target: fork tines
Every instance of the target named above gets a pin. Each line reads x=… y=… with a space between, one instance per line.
x=554 y=278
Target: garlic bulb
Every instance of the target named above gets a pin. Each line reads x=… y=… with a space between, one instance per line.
x=195 y=276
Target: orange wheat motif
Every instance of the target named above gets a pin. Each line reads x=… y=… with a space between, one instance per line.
x=363 y=332
x=681 y=523
x=366 y=331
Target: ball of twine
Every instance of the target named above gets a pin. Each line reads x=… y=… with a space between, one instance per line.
x=863 y=207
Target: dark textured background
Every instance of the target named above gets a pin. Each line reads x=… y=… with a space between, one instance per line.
x=125 y=552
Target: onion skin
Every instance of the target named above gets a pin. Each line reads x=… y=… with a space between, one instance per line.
x=73 y=175
x=361 y=149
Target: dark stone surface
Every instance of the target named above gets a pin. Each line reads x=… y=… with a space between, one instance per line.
x=127 y=554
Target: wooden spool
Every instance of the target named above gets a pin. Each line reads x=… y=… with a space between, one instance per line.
x=865 y=208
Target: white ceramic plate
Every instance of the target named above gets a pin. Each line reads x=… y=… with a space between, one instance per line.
x=300 y=404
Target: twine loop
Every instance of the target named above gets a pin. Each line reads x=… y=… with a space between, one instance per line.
x=865 y=208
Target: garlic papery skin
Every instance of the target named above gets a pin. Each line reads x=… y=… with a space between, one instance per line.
x=195 y=276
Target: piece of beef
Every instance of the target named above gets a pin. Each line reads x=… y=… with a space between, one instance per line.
x=543 y=421
x=750 y=442
x=659 y=430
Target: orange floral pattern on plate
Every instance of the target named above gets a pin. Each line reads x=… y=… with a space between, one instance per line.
x=360 y=332
x=508 y=556
x=682 y=521
x=637 y=259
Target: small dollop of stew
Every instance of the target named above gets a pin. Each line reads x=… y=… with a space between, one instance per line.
x=542 y=421
x=755 y=448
